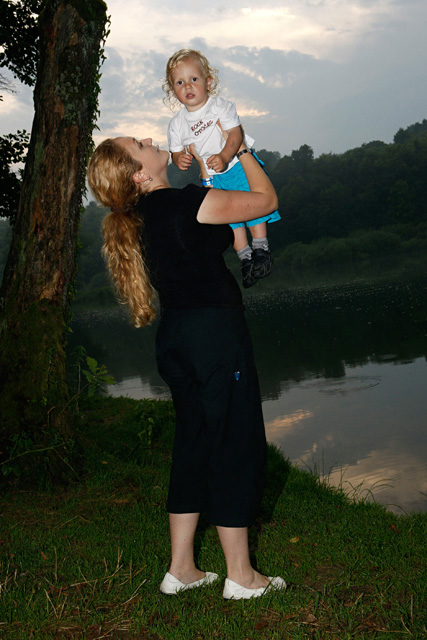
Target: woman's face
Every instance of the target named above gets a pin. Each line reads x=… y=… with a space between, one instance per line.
x=150 y=157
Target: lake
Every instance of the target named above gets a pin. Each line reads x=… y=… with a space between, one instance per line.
x=342 y=362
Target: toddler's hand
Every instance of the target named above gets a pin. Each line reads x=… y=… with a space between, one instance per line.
x=216 y=162
x=184 y=161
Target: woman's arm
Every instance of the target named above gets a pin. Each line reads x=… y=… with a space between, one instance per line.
x=203 y=171
x=225 y=207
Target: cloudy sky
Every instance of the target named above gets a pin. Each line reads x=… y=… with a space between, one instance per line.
x=332 y=74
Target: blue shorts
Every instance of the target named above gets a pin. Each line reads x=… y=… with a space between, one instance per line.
x=235 y=180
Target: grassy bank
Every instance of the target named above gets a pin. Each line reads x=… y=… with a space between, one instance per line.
x=86 y=561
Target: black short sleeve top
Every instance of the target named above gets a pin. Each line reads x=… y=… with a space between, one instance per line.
x=184 y=257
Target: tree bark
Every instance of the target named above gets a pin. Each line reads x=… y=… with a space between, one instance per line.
x=40 y=271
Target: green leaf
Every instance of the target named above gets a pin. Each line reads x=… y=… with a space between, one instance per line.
x=92 y=364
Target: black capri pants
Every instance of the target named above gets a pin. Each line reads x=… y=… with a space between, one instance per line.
x=219 y=456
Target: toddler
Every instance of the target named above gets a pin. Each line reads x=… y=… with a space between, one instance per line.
x=191 y=81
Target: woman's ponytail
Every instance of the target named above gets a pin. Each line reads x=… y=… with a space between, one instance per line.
x=110 y=176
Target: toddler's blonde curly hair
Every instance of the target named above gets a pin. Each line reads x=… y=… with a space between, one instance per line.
x=170 y=99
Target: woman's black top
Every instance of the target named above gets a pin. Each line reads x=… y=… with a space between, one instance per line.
x=184 y=257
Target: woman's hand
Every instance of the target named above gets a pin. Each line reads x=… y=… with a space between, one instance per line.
x=223 y=131
x=203 y=171
x=240 y=138
x=225 y=207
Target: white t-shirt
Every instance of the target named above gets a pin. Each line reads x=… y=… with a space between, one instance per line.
x=200 y=128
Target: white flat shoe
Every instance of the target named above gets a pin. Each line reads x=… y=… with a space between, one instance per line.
x=171 y=585
x=237 y=592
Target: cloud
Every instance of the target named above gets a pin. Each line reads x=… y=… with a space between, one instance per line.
x=317 y=28
x=329 y=73
x=131 y=95
x=266 y=85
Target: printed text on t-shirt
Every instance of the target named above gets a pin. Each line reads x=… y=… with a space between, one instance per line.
x=201 y=126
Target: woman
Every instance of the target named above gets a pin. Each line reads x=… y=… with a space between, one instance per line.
x=170 y=241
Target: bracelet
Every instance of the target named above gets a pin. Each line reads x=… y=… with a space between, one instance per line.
x=241 y=153
x=207 y=182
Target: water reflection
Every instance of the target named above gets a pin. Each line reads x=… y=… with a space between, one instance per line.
x=342 y=369
x=368 y=436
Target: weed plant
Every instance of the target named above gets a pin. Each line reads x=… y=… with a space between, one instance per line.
x=86 y=561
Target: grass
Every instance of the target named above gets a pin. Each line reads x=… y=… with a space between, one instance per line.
x=86 y=561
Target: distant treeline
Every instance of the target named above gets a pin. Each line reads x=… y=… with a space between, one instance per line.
x=371 y=187
x=336 y=208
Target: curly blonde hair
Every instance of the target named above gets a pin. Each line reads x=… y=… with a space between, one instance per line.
x=110 y=173
x=170 y=99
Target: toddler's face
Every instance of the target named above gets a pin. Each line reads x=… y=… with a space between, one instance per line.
x=189 y=84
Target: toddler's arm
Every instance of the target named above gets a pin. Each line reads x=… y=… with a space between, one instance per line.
x=182 y=159
x=218 y=161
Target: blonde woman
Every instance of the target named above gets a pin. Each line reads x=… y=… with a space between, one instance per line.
x=169 y=242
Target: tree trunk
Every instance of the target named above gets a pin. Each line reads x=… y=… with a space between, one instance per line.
x=40 y=271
